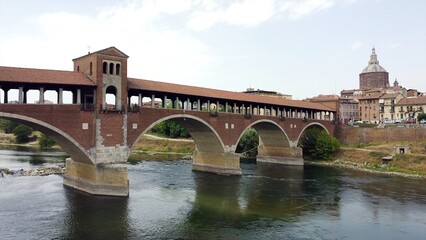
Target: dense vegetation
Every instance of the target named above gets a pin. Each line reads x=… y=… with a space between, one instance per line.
x=171 y=129
x=421 y=116
x=318 y=144
x=44 y=142
x=248 y=143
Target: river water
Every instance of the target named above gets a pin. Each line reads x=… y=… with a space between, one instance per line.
x=169 y=201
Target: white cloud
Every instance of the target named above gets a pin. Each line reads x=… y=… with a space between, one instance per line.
x=250 y=13
x=296 y=9
x=245 y=13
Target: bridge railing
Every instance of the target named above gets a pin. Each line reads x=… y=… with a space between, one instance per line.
x=112 y=108
x=134 y=108
x=87 y=107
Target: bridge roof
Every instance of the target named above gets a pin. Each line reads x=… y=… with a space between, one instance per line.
x=173 y=89
x=31 y=75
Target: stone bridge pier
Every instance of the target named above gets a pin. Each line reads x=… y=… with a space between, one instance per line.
x=275 y=146
x=106 y=174
x=109 y=179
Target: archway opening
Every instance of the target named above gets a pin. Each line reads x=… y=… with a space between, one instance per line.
x=248 y=144
x=317 y=143
x=180 y=134
x=111 y=98
x=263 y=137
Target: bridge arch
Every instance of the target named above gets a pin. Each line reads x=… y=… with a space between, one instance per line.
x=77 y=152
x=205 y=136
x=310 y=125
x=270 y=133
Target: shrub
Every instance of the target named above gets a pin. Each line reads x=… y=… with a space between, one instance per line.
x=22 y=133
x=317 y=144
x=44 y=142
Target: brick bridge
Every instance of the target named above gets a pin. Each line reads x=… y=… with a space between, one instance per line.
x=97 y=115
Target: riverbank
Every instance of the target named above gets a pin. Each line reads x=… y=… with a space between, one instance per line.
x=369 y=158
x=363 y=157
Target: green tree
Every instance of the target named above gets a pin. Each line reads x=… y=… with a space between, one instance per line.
x=421 y=116
x=318 y=144
x=45 y=142
x=8 y=125
x=170 y=128
x=22 y=133
x=248 y=143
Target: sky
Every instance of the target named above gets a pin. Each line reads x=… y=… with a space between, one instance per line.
x=299 y=47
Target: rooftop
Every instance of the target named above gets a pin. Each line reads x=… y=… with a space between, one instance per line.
x=373 y=64
x=412 y=101
x=154 y=86
x=43 y=76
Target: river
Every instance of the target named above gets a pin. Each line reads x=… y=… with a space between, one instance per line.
x=169 y=201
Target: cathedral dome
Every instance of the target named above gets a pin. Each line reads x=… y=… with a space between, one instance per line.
x=373 y=64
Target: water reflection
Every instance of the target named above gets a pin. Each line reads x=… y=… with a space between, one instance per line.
x=95 y=217
x=265 y=191
x=24 y=157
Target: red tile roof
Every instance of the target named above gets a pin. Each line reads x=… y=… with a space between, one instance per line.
x=40 y=76
x=390 y=95
x=412 y=101
x=171 y=88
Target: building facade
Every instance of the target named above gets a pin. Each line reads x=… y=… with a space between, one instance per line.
x=388 y=103
x=369 y=107
x=409 y=108
x=349 y=110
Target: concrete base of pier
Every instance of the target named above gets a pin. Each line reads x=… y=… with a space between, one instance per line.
x=101 y=179
x=219 y=163
x=280 y=155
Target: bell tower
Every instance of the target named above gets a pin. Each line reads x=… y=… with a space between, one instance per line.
x=108 y=68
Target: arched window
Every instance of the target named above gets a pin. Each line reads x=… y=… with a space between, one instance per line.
x=78 y=68
x=104 y=67
x=111 y=98
x=117 y=69
x=91 y=68
x=111 y=68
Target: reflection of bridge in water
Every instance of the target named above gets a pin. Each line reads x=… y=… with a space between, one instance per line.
x=274 y=192
x=99 y=136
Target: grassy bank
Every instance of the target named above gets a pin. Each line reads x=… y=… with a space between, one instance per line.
x=368 y=157
x=163 y=145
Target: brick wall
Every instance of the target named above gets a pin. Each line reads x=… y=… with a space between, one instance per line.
x=373 y=80
x=351 y=135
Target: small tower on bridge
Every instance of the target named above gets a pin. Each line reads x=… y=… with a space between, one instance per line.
x=107 y=103
x=108 y=68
